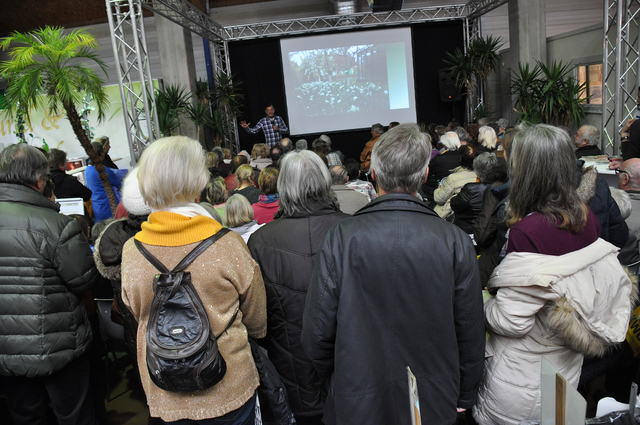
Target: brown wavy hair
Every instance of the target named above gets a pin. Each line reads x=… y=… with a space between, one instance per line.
x=542 y=169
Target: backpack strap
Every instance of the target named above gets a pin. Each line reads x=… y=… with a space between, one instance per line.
x=233 y=319
x=199 y=250
x=188 y=259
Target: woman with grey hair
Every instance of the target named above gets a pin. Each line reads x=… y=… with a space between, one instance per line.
x=285 y=249
x=487 y=139
x=442 y=165
x=560 y=291
x=172 y=174
x=467 y=204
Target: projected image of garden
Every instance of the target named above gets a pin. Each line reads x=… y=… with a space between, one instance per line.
x=340 y=80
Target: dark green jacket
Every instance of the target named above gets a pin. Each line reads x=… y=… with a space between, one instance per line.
x=45 y=266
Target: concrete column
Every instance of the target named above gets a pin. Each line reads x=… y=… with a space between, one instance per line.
x=178 y=63
x=527 y=31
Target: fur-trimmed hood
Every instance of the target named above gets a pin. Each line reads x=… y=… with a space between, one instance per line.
x=587 y=187
x=108 y=248
x=587 y=290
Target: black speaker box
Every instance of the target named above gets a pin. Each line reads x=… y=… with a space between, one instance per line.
x=385 y=5
x=449 y=91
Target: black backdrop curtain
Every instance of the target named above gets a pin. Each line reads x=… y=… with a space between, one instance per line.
x=258 y=65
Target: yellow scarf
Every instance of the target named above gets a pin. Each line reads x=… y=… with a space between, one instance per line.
x=171 y=229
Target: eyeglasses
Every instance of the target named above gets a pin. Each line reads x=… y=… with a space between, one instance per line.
x=619 y=171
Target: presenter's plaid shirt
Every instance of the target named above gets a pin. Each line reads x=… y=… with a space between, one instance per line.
x=271 y=136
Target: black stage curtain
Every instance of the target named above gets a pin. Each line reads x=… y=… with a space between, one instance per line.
x=258 y=65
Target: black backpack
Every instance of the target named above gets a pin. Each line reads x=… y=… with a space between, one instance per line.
x=182 y=352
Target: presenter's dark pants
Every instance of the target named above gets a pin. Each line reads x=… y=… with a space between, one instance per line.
x=67 y=390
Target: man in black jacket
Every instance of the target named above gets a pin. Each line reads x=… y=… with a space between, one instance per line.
x=46 y=266
x=411 y=298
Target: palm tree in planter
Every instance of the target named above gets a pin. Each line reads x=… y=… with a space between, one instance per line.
x=44 y=70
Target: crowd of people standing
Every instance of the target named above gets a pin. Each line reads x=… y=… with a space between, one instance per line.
x=346 y=272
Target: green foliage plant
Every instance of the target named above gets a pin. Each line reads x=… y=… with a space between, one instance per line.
x=473 y=67
x=171 y=102
x=46 y=70
x=548 y=94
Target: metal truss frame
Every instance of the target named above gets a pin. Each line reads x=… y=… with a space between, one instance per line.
x=124 y=13
x=132 y=65
x=480 y=7
x=620 y=69
x=188 y=16
x=472 y=30
x=342 y=22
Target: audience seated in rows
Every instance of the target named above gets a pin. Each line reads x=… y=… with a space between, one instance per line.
x=586 y=141
x=487 y=139
x=231 y=180
x=260 y=156
x=353 y=173
x=443 y=164
x=377 y=130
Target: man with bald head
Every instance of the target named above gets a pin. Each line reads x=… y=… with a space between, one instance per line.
x=629 y=181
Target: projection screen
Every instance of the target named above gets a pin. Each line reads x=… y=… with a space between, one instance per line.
x=348 y=80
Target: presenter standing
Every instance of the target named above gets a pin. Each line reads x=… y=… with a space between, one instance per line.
x=272 y=126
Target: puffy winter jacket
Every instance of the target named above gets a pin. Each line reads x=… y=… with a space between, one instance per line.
x=490 y=229
x=450 y=188
x=557 y=307
x=594 y=191
x=286 y=250
x=46 y=265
